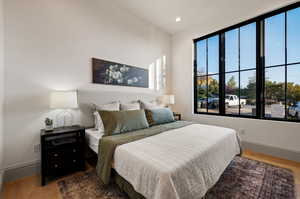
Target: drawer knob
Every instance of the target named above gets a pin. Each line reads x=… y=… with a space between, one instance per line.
x=55 y=166
x=74 y=160
x=55 y=155
x=74 y=150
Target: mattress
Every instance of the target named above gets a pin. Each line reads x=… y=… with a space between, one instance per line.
x=92 y=137
x=182 y=163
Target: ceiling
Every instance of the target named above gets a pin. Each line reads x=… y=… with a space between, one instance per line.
x=163 y=13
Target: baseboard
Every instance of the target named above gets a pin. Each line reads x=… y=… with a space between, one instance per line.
x=273 y=151
x=1 y=180
x=20 y=171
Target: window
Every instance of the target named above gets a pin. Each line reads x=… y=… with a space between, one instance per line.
x=208 y=75
x=240 y=70
x=251 y=69
x=282 y=69
x=157 y=74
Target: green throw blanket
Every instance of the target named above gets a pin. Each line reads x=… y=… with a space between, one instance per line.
x=108 y=144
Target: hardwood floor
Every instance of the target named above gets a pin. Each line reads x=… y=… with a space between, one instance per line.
x=29 y=187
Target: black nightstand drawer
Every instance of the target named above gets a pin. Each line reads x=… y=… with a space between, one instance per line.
x=62 y=151
x=55 y=167
x=63 y=167
x=62 y=141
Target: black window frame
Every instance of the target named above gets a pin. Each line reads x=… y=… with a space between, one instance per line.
x=260 y=66
x=207 y=75
x=239 y=70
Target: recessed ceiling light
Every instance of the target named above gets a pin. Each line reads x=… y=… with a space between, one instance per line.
x=178 y=19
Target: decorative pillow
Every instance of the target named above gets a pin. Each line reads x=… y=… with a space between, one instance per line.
x=131 y=106
x=97 y=121
x=150 y=105
x=116 y=122
x=160 y=116
x=149 y=117
x=115 y=106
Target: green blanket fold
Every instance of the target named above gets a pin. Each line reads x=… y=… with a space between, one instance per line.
x=108 y=144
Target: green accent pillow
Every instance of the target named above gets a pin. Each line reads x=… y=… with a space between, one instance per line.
x=160 y=116
x=116 y=122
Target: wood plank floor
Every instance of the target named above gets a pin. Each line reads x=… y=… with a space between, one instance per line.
x=29 y=187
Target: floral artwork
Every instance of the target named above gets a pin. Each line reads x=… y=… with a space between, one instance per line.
x=106 y=72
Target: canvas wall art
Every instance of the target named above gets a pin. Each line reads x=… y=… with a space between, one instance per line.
x=112 y=73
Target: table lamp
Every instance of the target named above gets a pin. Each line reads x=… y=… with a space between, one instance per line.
x=64 y=100
x=168 y=100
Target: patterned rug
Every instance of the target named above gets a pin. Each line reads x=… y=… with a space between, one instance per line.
x=243 y=179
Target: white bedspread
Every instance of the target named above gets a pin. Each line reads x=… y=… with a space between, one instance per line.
x=177 y=164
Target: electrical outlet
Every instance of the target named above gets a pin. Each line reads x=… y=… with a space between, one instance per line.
x=37 y=148
x=242 y=132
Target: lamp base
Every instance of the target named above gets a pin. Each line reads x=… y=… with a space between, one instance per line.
x=64 y=119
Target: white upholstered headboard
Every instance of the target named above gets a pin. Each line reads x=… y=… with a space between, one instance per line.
x=86 y=97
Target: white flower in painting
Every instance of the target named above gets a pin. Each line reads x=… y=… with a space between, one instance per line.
x=116 y=75
x=111 y=67
x=130 y=81
x=135 y=80
x=110 y=74
x=123 y=69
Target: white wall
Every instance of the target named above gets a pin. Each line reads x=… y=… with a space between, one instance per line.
x=49 y=45
x=282 y=135
x=1 y=88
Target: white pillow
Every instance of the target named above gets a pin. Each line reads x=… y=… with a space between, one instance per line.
x=150 y=105
x=115 y=106
x=97 y=120
x=131 y=106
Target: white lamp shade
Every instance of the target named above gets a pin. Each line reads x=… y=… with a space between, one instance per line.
x=168 y=99
x=63 y=100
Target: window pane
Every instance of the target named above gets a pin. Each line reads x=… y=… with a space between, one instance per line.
x=275 y=92
x=201 y=57
x=275 y=40
x=293 y=92
x=202 y=94
x=248 y=93
x=248 y=46
x=232 y=50
x=213 y=94
x=213 y=55
x=293 y=36
x=232 y=93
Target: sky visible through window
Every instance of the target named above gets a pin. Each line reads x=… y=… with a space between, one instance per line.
x=274 y=48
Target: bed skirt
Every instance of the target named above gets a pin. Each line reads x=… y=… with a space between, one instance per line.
x=126 y=187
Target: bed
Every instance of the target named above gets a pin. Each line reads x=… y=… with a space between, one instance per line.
x=174 y=160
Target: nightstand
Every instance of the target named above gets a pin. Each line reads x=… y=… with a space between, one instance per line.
x=62 y=151
x=177 y=116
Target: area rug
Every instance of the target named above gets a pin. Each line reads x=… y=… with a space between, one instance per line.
x=242 y=179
